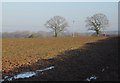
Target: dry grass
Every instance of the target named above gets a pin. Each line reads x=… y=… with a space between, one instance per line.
x=25 y=51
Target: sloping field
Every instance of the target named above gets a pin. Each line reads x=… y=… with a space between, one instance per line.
x=21 y=52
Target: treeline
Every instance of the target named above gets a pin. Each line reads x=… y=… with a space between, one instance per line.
x=27 y=34
x=21 y=34
x=39 y=34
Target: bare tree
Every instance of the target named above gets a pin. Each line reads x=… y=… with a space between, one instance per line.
x=57 y=24
x=97 y=22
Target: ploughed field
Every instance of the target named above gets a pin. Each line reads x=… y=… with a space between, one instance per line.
x=70 y=58
x=26 y=51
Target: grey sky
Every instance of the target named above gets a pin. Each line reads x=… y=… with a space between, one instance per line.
x=31 y=16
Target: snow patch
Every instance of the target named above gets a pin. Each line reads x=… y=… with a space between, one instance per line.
x=27 y=74
x=91 y=78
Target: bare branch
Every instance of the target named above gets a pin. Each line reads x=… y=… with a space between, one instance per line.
x=97 y=22
x=57 y=24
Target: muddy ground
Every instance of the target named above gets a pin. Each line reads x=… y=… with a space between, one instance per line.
x=99 y=59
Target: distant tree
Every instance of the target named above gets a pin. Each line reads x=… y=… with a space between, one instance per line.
x=97 y=22
x=31 y=36
x=57 y=24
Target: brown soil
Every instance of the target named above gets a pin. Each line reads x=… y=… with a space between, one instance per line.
x=20 y=52
x=78 y=64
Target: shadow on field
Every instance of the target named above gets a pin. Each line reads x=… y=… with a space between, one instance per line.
x=99 y=59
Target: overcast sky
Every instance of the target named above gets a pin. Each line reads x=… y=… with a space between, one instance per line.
x=31 y=16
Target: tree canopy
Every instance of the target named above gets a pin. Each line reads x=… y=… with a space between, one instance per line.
x=97 y=22
x=57 y=24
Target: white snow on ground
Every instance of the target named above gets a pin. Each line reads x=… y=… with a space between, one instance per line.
x=27 y=74
x=91 y=78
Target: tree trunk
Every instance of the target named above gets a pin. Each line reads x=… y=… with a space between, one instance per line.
x=97 y=32
x=55 y=35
